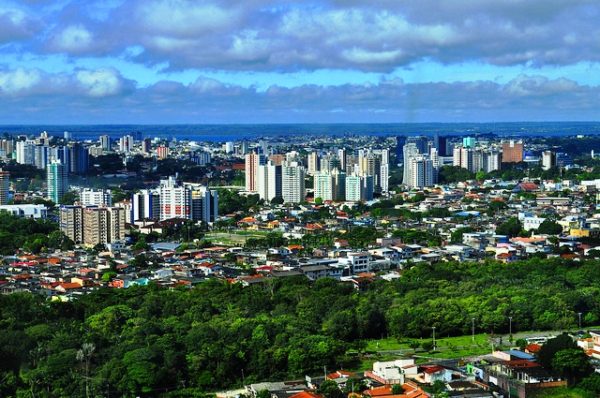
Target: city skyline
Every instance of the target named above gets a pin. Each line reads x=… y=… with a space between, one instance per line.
x=319 y=61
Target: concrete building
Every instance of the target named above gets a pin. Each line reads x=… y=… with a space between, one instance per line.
x=421 y=172
x=4 y=187
x=324 y=184
x=253 y=161
x=71 y=222
x=25 y=152
x=313 y=163
x=548 y=160
x=293 y=185
x=26 y=210
x=57 y=180
x=145 y=205
x=512 y=151
x=95 y=197
x=269 y=181
x=175 y=200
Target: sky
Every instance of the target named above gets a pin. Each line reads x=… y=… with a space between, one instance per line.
x=261 y=61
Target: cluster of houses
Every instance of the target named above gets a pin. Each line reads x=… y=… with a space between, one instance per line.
x=511 y=373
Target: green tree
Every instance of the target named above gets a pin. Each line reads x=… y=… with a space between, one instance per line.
x=511 y=227
x=561 y=342
x=572 y=364
x=549 y=227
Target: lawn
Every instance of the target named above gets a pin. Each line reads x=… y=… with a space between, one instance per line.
x=443 y=344
x=234 y=238
x=562 y=392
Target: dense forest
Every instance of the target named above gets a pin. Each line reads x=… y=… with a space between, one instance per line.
x=150 y=341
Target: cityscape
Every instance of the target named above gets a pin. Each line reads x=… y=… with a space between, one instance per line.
x=369 y=214
x=316 y=199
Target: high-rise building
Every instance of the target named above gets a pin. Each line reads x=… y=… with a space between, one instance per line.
x=201 y=158
x=293 y=184
x=410 y=150
x=126 y=144
x=7 y=147
x=463 y=157
x=40 y=154
x=57 y=180
x=95 y=197
x=383 y=179
x=492 y=160
x=422 y=143
x=469 y=142
x=147 y=146
x=400 y=142
x=354 y=188
x=145 y=205
x=162 y=152
x=92 y=225
x=253 y=161
x=421 y=171
x=71 y=222
x=324 y=183
x=105 y=143
x=79 y=158
x=4 y=187
x=548 y=160
x=269 y=184
x=25 y=152
x=175 y=200
x=341 y=154
x=313 y=163
x=228 y=147
x=512 y=151
x=102 y=225
x=205 y=204
x=441 y=144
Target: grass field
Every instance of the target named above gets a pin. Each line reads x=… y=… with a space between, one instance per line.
x=234 y=238
x=562 y=392
x=443 y=344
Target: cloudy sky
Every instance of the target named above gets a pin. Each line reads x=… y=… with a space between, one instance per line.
x=248 y=61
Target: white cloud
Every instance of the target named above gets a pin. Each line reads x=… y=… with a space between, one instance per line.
x=20 y=80
x=100 y=83
x=73 y=39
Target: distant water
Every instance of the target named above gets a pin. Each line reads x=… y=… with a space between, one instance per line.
x=251 y=132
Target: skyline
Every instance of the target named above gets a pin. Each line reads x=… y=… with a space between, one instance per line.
x=176 y=61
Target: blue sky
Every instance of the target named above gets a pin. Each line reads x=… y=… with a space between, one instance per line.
x=223 y=61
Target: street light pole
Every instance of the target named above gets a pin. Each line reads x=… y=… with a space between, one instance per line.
x=473 y=329
x=579 y=315
x=433 y=327
x=510 y=326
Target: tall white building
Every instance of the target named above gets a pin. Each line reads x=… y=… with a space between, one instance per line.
x=95 y=197
x=324 y=184
x=292 y=182
x=126 y=144
x=145 y=205
x=26 y=152
x=421 y=172
x=384 y=171
x=175 y=200
x=269 y=181
x=548 y=160
x=409 y=151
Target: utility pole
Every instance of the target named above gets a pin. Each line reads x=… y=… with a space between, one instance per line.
x=579 y=315
x=473 y=329
x=510 y=327
x=433 y=328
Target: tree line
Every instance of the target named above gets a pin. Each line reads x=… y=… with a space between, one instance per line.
x=149 y=341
